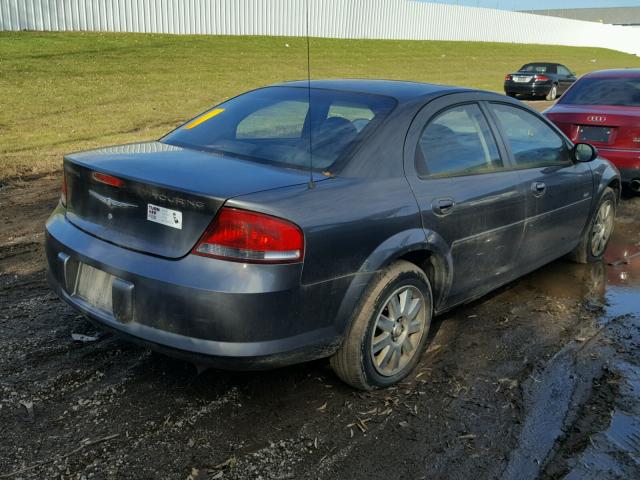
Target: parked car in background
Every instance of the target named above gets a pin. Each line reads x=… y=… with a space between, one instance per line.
x=212 y=244
x=603 y=108
x=542 y=79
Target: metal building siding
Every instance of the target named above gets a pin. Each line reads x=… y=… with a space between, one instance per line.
x=374 y=19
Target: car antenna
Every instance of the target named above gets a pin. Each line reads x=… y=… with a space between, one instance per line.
x=311 y=182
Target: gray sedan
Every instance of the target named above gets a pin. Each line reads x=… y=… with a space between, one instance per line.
x=292 y=223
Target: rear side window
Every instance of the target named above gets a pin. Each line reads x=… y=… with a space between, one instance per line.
x=457 y=141
x=623 y=92
x=533 y=143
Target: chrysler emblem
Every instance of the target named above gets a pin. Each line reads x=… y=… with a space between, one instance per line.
x=596 y=118
x=110 y=202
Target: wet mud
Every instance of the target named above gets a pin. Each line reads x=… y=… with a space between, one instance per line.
x=540 y=379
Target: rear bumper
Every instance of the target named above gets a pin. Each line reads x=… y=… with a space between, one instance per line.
x=223 y=314
x=627 y=161
x=628 y=174
x=536 y=89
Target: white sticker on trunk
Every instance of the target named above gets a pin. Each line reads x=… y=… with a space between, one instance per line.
x=165 y=216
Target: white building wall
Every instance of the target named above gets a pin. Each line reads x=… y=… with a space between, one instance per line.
x=379 y=19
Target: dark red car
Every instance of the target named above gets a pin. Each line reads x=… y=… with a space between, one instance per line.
x=603 y=108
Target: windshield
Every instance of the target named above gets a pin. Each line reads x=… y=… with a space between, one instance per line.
x=535 y=68
x=623 y=92
x=273 y=125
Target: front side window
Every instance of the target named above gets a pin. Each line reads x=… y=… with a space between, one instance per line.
x=563 y=71
x=533 y=143
x=275 y=125
x=457 y=141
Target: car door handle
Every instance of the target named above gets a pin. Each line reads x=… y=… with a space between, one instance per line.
x=538 y=189
x=443 y=206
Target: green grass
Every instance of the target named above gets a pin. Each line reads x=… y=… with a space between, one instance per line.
x=61 y=92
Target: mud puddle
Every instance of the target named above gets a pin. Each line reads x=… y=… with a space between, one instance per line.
x=583 y=404
x=613 y=285
x=623 y=273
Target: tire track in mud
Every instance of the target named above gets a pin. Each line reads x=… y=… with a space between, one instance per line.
x=573 y=399
x=549 y=394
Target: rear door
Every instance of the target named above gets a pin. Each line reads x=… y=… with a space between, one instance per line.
x=467 y=194
x=559 y=192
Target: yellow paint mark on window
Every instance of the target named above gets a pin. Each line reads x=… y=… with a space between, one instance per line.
x=204 y=118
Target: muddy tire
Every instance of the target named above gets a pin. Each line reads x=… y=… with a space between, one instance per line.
x=553 y=93
x=389 y=330
x=596 y=237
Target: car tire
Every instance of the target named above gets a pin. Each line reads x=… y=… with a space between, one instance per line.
x=553 y=93
x=596 y=237
x=384 y=318
x=512 y=95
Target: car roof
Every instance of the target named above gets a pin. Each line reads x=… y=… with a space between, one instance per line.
x=615 y=73
x=400 y=90
x=543 y=63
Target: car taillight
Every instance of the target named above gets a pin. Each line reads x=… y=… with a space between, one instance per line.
x=63 y=190
x=107 y=179
x=507 y=77
x=540 y=78
x=244 y=236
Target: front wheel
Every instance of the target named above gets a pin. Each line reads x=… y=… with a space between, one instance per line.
x=595 y=239
x=389 y=330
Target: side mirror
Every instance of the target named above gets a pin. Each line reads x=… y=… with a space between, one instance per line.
x=583 y=152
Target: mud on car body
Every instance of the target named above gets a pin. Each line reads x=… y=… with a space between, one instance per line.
x=212 y=244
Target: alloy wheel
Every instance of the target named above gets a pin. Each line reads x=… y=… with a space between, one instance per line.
x=602 y=228
x=398 y=330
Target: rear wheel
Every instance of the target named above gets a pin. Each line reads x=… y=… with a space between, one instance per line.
x=389 y=330
x=553 y=93
x=596 y=238
x=512 y=95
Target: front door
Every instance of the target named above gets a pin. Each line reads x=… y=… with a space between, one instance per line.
x=559 y=191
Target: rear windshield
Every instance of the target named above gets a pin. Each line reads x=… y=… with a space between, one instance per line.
x=623 y=92
x=273 y=125
x=538 y=68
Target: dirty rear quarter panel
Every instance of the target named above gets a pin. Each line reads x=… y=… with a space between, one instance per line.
x=344 y=220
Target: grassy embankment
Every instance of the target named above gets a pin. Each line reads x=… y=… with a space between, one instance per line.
x=61 y=92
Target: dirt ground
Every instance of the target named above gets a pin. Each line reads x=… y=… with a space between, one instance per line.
x=540 y=379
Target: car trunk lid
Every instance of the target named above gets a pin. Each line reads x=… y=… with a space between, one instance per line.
x=158 y=198
x=610 y=126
